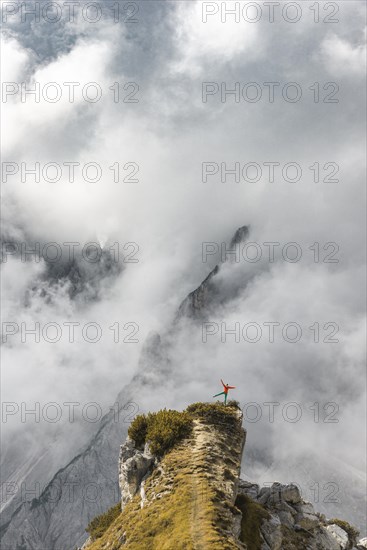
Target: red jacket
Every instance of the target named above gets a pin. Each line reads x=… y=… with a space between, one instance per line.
x=227 y=387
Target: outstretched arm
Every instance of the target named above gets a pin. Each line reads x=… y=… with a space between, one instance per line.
x=223 y=383
x=231 y=387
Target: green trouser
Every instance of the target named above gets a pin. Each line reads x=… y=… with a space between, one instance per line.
x=222 y=393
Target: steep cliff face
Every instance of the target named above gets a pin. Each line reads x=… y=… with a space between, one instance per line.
x=193 y=498
x=210 y=294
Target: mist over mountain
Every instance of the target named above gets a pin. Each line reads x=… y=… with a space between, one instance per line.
x=163 y=330
x=58 y=516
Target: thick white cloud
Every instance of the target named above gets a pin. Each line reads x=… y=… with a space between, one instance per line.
x=14 y=60
x=203 y=40
x=343 y=58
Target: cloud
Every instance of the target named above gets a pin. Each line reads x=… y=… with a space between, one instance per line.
x=342 y=58
x=200 y=45
x=14 y=59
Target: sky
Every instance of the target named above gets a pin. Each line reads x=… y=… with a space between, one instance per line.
x=150 y=97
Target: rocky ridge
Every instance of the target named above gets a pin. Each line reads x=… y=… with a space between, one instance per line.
x=223 y=510
x=292 y=523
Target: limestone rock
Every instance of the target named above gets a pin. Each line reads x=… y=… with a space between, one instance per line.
x=248 y=488
x=134 y=464
x=286 y=515
x=87 y=543
x=306 y=517
x=293 y=520
x=290 y=493
x=339 y=534
x=264 y=495
x=324 y=540
x=272 y=532
x=283 y=493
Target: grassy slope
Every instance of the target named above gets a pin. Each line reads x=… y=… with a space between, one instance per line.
x=188 y=502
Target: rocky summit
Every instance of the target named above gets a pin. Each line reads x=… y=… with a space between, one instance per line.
x=179 y=476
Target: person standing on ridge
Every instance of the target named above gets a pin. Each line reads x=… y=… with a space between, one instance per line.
x=225 y=392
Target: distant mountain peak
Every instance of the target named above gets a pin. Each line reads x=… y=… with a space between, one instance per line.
x=240 y=235
x=199 y=301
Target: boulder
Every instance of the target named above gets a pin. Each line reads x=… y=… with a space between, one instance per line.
x=282 y=493
x=324 y=540
x=263 y=495
x=304 y=508
x=362 y=544
x=271 y=530
x=248 y=488
x=286 y=514
x=285 y=507
x=290 y=493
x=339 y=534
x=306 y=517
x=286 y=519
x=307 y=521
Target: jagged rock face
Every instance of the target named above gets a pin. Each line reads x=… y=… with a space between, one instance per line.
x=240 y=235
x=207 y=295
x=195 y=305
x=83 y=279
x=292 y=519
x=134 y=465
x=82 y=272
